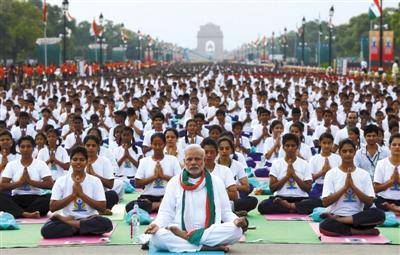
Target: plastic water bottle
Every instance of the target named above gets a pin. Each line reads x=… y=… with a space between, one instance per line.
x=135 y=224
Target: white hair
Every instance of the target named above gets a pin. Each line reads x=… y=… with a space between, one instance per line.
x=195 y=147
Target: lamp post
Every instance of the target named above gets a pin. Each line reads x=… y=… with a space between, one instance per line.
x=65 y=5
x=381 y=39
x=101 y=20
x=331 y=12
x=140 y=46
x=284 y=43
x=303 y=23
x=272 y=46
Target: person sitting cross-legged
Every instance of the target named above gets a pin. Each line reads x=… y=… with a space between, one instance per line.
x=195 y=213
x=79 y=196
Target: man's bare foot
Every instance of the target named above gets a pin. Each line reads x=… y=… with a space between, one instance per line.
x=328 y=216
x=178 y=232
x=216 y=248
x=59 y=217
x=286 y=204
x=369 y=232
x=242 y=223
x=107 y=212
x=31 y=215
x=241 y=213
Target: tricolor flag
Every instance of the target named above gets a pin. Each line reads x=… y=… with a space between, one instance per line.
x=44 y=11
x=95 y=29
x=69 y=17
x=375 y=9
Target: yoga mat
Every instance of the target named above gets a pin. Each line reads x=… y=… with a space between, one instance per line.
x=121 y=234
x=393 y=234
x=154 y=251
x=78 y=239
x=27 y=236
x=298 y=232
x=287 y=217
x=153 y=216
x=40 y=220
x=118 y=212
x=355 y=239
x=129 y=197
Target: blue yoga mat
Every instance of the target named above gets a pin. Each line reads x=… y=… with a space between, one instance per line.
x=154 y=251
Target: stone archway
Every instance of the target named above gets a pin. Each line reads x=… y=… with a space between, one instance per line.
x=210 y=42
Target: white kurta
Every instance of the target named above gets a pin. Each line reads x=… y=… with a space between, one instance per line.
x=170 y=211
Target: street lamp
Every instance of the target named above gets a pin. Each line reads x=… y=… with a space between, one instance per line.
x=284 y=44
x=101 y=20
x=65 y=5
x=381 y=39
x=272 y=46
x=331 y=12
x=140 y=46
x=303 y=23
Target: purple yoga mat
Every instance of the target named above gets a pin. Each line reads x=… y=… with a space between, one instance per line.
x=349 y=239
x=287 y=217
x=78 y=240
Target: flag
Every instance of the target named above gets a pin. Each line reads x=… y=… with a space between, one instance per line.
x=69 y=17
x=375 y=9
x=95 y=29
x=124 y=35
x=44 y=11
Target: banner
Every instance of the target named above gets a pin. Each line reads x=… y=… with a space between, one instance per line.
x=374 y=46
x=388 y=46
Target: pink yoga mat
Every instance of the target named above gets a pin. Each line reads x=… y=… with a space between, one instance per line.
x=40 y=220
x=287 y=217
x=153 y=215
x=349 y=239
x=78 y=240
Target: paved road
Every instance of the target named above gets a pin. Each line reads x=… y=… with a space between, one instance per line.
x=253 y=249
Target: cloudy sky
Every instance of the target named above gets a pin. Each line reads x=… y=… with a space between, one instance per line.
x=178 y=21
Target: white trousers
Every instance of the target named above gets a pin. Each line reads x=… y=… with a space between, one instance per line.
x=216 y=235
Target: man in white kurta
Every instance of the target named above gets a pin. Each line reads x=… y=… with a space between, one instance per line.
x=167 y=230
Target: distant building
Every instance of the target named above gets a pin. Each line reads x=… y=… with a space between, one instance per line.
x=210 y=42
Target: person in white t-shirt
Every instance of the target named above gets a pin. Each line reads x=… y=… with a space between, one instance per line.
x=290 y=180
x=272 y=144
x=304 y=151
x=153 y=174
x=7 y=148
x=55 y=156
x=171 y=147
x=191 y=136
x=244 y=202
x=26 y=177
x=127 y=155
x=75 y=138
x=348 y=192
x=79 y=197
x=101 y=168
x=242 y=143
x=387 y=178
x=321 y=163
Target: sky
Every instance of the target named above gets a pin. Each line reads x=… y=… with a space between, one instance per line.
x=241 y=21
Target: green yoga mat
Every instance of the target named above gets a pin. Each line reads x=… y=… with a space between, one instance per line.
x=279 y=231
x=393 y=234
x=129 y=197
x=121 y=234
x=27 y=236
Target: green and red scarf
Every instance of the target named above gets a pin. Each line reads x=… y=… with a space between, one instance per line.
x=195 y=235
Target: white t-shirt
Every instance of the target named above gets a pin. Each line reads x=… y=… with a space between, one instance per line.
x=70 y=141
x=182 y=142
x=349 y=204
x=103 y=167
x=10 y=157
x=291 y=189
x=257 y=133
x=91 y=186
x=383 y=172
x=127 y=169
x=225 y=174
x=317 y=162
x=61 y=155
x=238 y=171
x=37 y=170
x=170 y=167
x=268 y=144
x=322 y=129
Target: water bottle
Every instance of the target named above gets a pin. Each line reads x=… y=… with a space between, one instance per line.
x=135 y=224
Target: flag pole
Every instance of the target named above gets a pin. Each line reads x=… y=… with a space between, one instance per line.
x=45 y=44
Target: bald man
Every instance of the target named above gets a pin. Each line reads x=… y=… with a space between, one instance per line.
x=194 y=205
